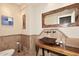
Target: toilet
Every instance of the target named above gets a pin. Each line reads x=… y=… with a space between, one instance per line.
x=8 y=52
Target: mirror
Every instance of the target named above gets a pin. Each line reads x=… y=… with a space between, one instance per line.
x=60 y=16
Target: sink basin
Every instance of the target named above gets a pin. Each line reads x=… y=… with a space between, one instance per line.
x=48 y=40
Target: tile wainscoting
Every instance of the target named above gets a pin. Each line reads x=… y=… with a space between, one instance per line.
x=10 y=41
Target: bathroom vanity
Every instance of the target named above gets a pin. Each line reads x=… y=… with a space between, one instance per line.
x=62 y=24
x=56 y=49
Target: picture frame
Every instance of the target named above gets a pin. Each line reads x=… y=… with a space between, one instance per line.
x=5 y=20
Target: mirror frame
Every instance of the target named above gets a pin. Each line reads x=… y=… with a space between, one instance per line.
x=75 y=5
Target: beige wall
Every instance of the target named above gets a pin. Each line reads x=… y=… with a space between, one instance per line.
x=53 y=6
x=72 y=34
x=35 y=15
x=11 y=10
x=33 y=18
x=30 y=15
x=69 y=36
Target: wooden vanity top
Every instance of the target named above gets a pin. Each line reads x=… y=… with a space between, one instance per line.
x=69 y=51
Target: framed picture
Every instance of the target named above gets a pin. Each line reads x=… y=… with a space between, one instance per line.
x=5 y=20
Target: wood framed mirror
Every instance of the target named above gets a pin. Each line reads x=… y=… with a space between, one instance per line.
x=51 y=18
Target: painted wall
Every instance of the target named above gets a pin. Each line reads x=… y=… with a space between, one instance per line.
x=28 y=11
x=10 y=10
x=34 y=21
x=35 y=15
x=68 y=35
x=73 y=35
